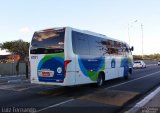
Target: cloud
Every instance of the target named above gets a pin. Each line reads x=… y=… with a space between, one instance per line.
x=25 y=33
x=25 y=30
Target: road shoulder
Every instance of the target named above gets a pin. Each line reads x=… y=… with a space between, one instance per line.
x=148 y=104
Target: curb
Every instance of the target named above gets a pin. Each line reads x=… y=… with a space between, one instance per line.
x=18 y=80
x=144 y=101
x=7 y=76
x=3 y=81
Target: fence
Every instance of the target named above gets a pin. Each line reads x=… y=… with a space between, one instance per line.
x=10 y=68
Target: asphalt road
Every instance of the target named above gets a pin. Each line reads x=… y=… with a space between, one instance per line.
x=115 y=96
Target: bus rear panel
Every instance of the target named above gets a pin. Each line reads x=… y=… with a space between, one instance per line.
x=48 y=65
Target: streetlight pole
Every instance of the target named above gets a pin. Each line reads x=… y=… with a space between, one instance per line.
x=142 y=38
x=141 y=34
x=128 y=35
x=130 y=23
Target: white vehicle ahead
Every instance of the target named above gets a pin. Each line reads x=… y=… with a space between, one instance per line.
x=158 y=63
x=139 y=64
x=67 y=56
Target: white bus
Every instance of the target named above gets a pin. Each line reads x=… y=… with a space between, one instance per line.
x=67 y=56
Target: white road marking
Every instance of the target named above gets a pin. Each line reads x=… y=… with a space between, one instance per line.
x=140 y=104
x=133 y=80
x=52 y=106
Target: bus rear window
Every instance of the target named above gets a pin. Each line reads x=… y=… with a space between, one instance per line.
x=50 y=39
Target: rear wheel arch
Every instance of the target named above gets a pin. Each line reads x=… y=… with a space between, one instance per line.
x=100 y=78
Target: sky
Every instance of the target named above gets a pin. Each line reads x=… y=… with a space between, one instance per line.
x=19 y=19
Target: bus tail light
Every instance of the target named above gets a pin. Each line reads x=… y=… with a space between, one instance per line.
x=66 y=62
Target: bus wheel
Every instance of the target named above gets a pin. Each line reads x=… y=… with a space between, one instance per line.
x=128 y=76
x=100 y=79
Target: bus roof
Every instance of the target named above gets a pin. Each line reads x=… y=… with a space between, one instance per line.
x=97 y=34
x=83 y=31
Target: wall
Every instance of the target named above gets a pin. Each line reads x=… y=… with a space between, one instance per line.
x=10 y=68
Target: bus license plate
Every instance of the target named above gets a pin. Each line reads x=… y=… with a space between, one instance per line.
x=45 y=74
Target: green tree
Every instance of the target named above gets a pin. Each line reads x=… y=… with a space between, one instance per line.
x=18 y=47
x=147 y=57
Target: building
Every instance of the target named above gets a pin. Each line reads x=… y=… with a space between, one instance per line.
x=9 y=58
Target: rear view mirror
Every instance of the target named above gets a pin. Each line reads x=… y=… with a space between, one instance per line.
x=132 y=48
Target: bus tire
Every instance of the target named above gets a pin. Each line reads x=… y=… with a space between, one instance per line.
x=100 y=79
x=128 y=75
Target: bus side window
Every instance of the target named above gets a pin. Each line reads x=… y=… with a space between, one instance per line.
x=80 y=43
x=104 y=47
x=95 y=46
x=127 y=48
